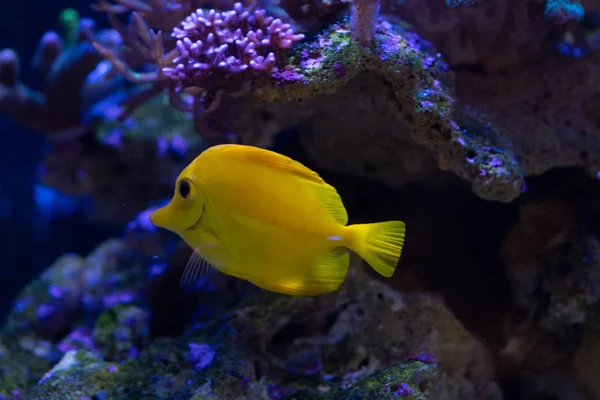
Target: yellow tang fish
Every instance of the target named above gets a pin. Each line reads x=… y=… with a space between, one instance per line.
x=263 y=217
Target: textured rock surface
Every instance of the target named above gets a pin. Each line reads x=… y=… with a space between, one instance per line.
x=364 y=340
x=345 y=85
x=529 y=105
x=551 y=257
x=509 y=105
x=497 y=35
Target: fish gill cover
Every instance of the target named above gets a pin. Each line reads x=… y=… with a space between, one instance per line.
x=474 y=121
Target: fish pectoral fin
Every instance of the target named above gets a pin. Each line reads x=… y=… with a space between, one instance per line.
x=325 y=276
x=196 y=270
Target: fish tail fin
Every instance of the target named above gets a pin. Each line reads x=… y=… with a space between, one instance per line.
x=379 y=244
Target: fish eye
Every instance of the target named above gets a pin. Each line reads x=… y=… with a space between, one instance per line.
x=184 y=188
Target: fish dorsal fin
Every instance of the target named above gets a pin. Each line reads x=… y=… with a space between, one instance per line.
x=271 y=159
x=196 y=270
x=325 y=193
x=331 y=200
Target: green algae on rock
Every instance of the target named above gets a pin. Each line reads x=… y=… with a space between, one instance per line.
x=82 y=374
x=414 y=380
x=23 y=361
x=79 y=374
x=121 y=332
x=262 y=346
x=58 y=301
x=424 y=106
x=365 y=340
x=154 y=121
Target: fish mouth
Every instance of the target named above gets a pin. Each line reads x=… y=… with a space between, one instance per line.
x=197 y=223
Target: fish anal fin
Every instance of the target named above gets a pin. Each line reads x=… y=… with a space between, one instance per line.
x=327 y=275
x=196 y=270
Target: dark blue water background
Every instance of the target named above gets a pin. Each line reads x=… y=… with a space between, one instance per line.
x=36 y=225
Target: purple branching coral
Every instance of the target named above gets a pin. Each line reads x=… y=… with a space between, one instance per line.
x=225 y=52
x=143 y=43
x=210 y=54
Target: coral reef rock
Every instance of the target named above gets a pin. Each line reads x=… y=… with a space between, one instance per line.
x=364 y=341
x=386 y=113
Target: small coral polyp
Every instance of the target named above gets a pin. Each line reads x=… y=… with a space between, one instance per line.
x=223 y=51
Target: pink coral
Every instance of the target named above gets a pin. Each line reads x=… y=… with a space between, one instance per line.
x=223 y=51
